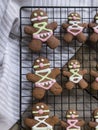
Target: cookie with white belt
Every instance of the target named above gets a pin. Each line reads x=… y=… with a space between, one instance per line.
x=94 y=124
x=72 y=121
x=74 y=28
x=44 y=78
x=75 y=75
x=41 y=119
x=94 y=26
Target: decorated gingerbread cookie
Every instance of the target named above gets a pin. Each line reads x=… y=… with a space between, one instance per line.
x=94 y=73
x=74 y=28
x=44 y=78
x=41 y=31
x=41 y=120
x=94 y=26
x=72 y=121
x=75 y=75
x=94 y=124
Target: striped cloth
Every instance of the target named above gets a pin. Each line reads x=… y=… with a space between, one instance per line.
x=9 y=56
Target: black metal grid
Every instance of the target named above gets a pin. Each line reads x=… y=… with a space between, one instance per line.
x=84 y=101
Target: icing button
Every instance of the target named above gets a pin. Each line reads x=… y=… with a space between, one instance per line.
x=40 y=111
x=97 y=79
x=39 y=18
x=41 y=65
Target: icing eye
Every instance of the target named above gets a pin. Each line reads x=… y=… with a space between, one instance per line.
x=38 y=61
x=41 y=13
x=76 y=14
x=42 y=106
x=42 y=59
x=76 y=63
x=74 y=112
x=71 y=63
x=72 y=14
x=37 y=107
x=35 y=14
x=70 y=112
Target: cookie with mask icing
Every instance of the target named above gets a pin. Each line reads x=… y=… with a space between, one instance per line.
x=74 y=28
x=72 y=121
x=94 y=26
x=94 y=124
x=94 y=73
x=41 y=31
x=44 y=78
x=41 y=119
x=75 y=75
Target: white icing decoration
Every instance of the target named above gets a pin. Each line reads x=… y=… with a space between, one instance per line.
x=42 y=18
x=42 y=106
x=43 y=71
x=41 y=13
x=38 y=61
x=96 y=120
x=74 y=112
x=35 y=14
x=41 y=120
x=37 y=66
x=42 y=59
x=74 y=22
x=34 y=112
x=37 y=107
x=75 y=77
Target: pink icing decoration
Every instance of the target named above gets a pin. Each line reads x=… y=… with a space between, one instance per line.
x=74 y=66
x=97 y=79
x=40 y=111
x=95 y=29
x=73 y=116
x=72 y=123
x=42 y=84
x=39 y=18
x=74 y=17
x=38 y=36
x=74 y=33
x=41 y=65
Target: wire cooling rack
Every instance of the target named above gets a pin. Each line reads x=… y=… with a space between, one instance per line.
x=84 y=101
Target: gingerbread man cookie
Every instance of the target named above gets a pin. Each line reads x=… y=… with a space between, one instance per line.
x=41 y=120
x=94 y=85
x=44 y=78
x=74 y=28
x=72 y=122
x=75 y=75
x=41 y=31
x=94 y=26
x=94 y=124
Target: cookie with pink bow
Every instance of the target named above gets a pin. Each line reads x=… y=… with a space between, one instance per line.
x=72 y=122
x=74 y=28
x=44 y=78
x=41 y=31
x=94 y=26
x=94 y=73
x=75 y=75
x=41 y=119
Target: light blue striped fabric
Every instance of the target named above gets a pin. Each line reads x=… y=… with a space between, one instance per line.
x=9 y=56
